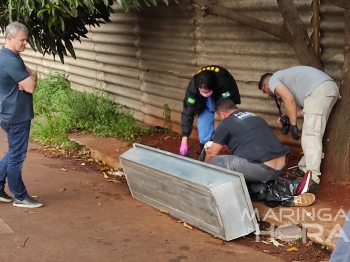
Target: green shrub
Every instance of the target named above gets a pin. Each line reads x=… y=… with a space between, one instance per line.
x=49 y=90
x=60 y=110
x=52 y=132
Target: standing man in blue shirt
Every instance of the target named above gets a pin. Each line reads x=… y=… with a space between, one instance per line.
x=310 y=93
x=17 y=84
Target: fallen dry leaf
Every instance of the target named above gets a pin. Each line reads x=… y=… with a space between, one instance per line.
x=115 y=173
x=185 y=225
x=115 y=181
x=105 y=168
x=292 y=249
x=275 y=242
x=100 y=162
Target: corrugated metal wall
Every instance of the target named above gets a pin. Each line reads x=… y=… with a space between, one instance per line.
x=145 y=59
x=167 y=58
x=332 y=39
x=248 y=53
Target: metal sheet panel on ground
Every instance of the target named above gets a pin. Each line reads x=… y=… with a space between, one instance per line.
x=213 y=199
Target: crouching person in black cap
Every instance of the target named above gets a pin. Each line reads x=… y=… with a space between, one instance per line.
x=256 y=153
x=208 y=85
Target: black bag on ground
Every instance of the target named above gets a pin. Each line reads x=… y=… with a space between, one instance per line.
x=280 y=192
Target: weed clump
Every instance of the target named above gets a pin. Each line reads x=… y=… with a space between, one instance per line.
x=60 y=110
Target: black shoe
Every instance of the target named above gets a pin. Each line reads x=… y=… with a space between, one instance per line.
x=313 y=187
x=202 y=155
x=201 y=146
x=260 y=196
x=299 y=174
x=4 y=197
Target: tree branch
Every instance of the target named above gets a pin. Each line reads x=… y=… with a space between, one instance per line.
x=340 y=3
x=210 y=7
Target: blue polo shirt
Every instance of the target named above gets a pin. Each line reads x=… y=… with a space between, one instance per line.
x=15 y=106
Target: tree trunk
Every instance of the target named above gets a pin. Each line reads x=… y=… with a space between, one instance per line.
x=336 y=165
x=300 y=41
x=293 y=30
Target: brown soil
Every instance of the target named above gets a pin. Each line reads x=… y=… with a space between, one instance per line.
x=336 y=193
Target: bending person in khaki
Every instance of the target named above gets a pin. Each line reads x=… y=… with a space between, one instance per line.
x=310 y=93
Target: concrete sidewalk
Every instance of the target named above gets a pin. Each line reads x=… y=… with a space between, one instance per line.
x=320 y=222
x=86 y=217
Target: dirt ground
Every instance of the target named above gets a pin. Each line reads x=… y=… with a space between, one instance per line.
x=335 y=193
x=338 y=193
x=88 y=217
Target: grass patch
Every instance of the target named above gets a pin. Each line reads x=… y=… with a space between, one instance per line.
x=60 y=110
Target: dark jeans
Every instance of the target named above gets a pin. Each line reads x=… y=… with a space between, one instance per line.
x=341 y=251
x=12 y=163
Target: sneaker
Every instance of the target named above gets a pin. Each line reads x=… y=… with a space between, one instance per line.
x=303 y=200
x=260 y=196
x=304 y=184
x=29 y=202
x=4 y=197
x=314 y=187
x=297 y=174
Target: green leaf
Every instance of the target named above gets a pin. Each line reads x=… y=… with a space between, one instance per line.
x=124 y=5
x=38 y=44
x=40 y=13
x=62 y=23
x=31 y=42
x=70 y=48
x=60 y=54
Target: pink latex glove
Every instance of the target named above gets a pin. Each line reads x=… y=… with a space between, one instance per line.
x=183 y=148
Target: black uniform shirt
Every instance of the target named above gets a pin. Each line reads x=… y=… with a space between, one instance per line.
x=194 y=103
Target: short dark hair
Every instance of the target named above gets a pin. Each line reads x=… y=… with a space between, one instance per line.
x=206 y=79
x=225 y=105
x=263 y=78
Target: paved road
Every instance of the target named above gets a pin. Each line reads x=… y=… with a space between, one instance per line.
x=87 y=218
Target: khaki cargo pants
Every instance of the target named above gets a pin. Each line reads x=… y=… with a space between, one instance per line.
x=317 y=107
